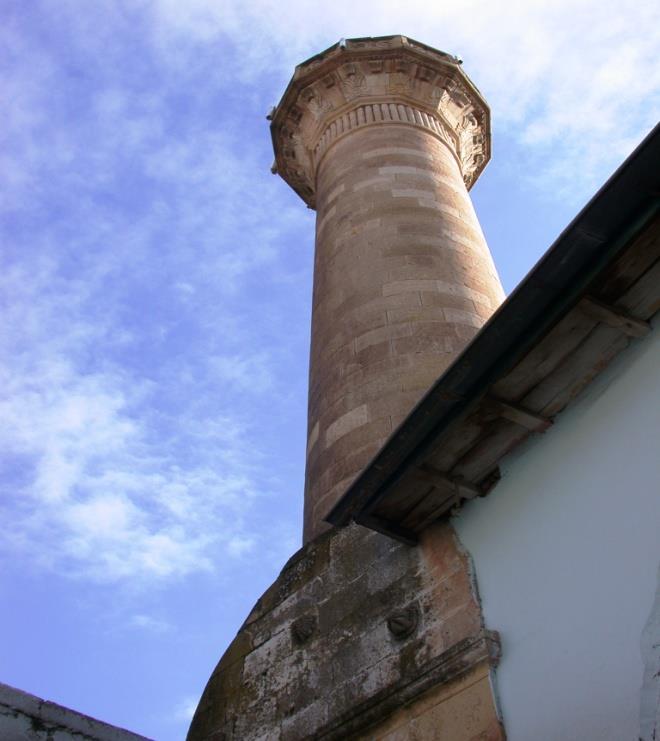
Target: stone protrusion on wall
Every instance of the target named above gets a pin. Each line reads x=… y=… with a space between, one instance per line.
x=383 y=137
x=358 y=632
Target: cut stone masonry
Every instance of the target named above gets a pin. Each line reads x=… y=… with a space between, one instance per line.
x=383 y=137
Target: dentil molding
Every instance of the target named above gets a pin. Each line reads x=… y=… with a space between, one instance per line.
x=374 y=82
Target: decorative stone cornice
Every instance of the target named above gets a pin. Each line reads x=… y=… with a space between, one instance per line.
x=484 y=648
x=374 y=81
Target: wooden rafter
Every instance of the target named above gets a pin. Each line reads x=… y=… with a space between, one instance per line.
x=614 y=317
x=519 y=415
x=464 y=489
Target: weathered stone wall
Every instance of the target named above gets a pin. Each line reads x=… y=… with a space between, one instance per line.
x=24 y=717
x=355 y=628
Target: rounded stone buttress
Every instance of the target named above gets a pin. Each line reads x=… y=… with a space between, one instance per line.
x=403 y=277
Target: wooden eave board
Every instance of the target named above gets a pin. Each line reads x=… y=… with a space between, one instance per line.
x=544 y=382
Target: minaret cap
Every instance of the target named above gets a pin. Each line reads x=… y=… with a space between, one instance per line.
x=388 y=79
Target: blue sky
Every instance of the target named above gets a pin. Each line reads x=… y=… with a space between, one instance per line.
x=155 y=284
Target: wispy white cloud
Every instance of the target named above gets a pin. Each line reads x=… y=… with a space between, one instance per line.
x=249 y=373
x=92 y=487
x=150 y=624
x=576 y=78
x=124 y=447
x=185 y=709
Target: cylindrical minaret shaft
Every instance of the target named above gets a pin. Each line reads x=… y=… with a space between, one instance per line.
x=383 y=136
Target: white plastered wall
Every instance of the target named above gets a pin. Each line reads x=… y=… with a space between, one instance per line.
x=566 y=551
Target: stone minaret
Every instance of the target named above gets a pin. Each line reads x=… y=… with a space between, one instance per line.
x=361 y=637
x=383 y=137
